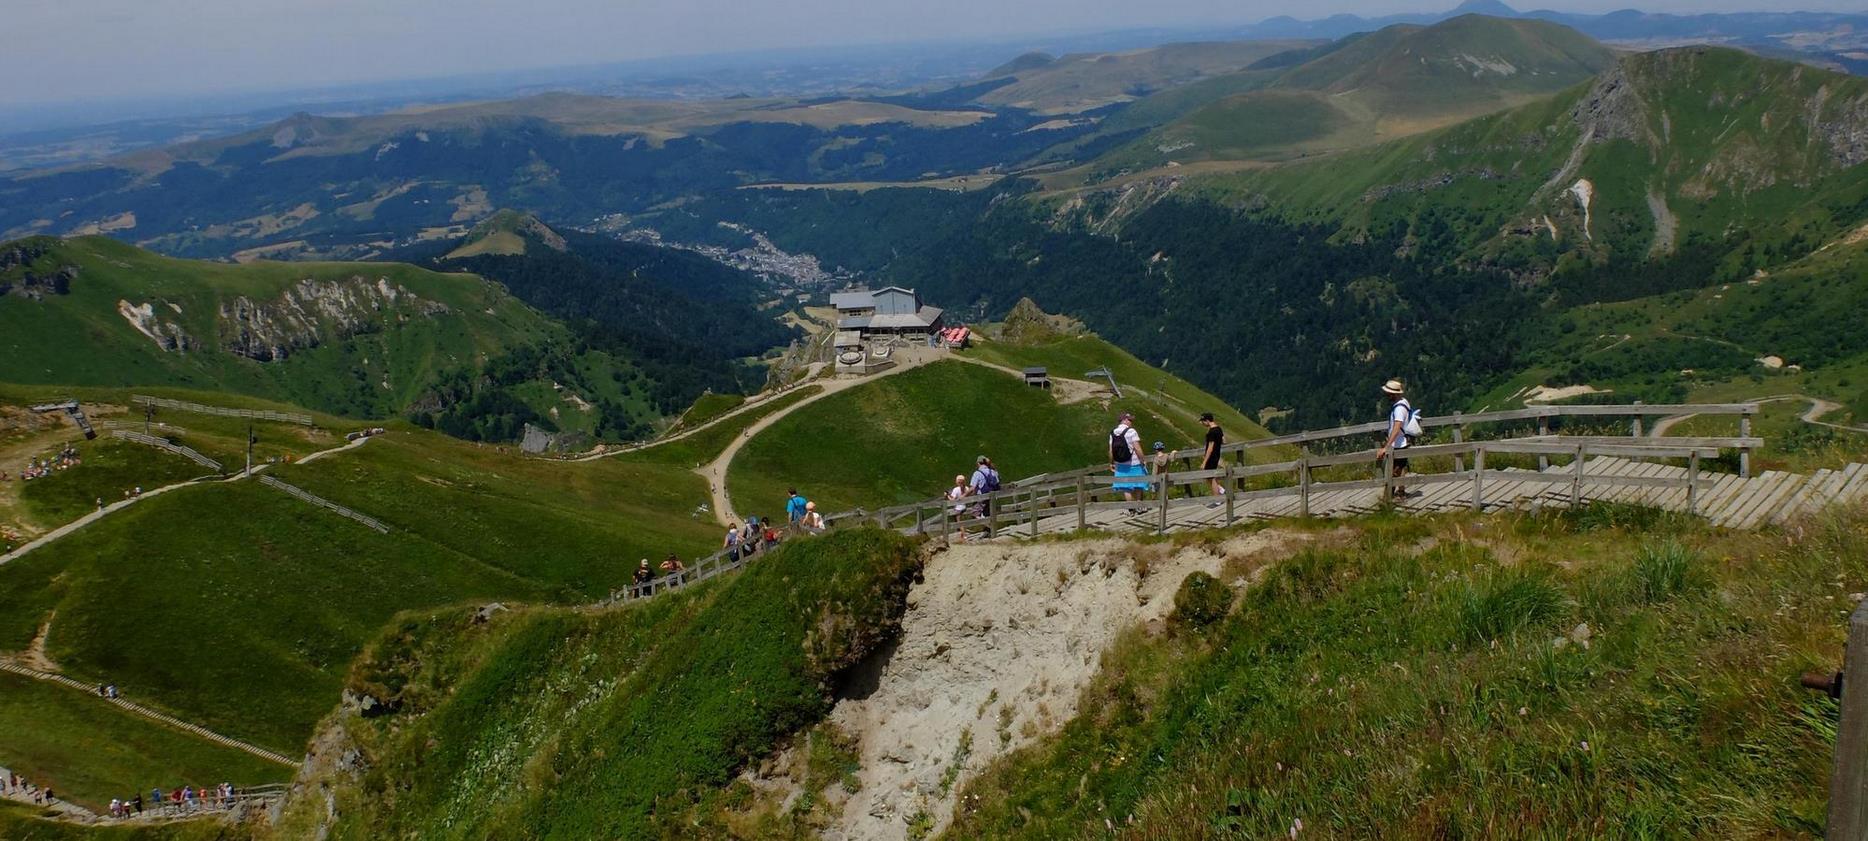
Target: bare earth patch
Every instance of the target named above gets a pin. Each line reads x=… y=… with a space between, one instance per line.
x=997 y=646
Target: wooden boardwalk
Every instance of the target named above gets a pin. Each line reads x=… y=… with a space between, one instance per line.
x=1727 y=500
x=1575 y=463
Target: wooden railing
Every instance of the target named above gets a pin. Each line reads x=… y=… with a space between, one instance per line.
x=223 y=411
x=186 y=452
x=326 y=504
x=1026 y=501
x=1024 y=505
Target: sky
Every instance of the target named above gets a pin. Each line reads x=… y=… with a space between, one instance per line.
x=60 y=51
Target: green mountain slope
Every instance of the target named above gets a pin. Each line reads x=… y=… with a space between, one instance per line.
x=363 y=339
x=357 y=339
x=1398 y=81
x=296 y=590
x=1755 y=159
x=1083 y=82
x=902 y=439
x=643 y=715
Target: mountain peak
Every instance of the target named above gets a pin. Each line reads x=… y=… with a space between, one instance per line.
x=507 y=232
x=1485 y=7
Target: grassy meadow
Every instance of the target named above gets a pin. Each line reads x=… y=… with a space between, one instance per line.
x=90 y=751
x=280 y=595
x=903 y=439
x=1613 y=672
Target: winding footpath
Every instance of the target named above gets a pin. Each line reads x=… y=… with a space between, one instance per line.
x=121 y=504
x=715 y=472
x=1813 y=415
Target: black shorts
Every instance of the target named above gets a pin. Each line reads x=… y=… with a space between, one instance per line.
x=1400 y=465
x=1210 y=464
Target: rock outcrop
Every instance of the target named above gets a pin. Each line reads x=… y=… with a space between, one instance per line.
x=312 y=312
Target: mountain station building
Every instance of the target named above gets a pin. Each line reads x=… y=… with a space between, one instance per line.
x=889 y=311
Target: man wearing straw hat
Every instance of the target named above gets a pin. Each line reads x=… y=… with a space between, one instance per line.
x=1399 y=413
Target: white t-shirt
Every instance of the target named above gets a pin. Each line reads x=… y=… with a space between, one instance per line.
x=1398 y=415
x=1134 y=439
x=954 y=494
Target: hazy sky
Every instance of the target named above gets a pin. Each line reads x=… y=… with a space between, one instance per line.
x=61 y=50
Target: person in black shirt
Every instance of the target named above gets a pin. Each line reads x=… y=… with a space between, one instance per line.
x=1215 y=439
x=643 y=576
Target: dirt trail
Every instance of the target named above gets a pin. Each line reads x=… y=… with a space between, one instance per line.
x=121 y=504
x=1063 y=389
x=1819 y=407
x=997 y=646
x=715 y=471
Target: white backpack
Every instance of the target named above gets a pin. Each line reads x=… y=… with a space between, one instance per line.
x=1411 y=427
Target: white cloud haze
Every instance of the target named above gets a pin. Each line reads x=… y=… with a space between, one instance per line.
x=61 y=50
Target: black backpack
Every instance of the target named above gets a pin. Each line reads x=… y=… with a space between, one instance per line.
x=1119 y=447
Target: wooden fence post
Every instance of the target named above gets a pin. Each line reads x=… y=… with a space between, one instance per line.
x=1543 y=429
x=1744 y=453
x=1576 y=478
x=1080 y=502
x=1387 y=465
x=1459 y=459
x=1230 y=493
x=1303 y=486
x=1848 y=785
x=918 y=521
x=992 y=514
x=1692 y=483
x=1478 y=479
x=1166 y=486
x=1635 y=430
x=1032 y=511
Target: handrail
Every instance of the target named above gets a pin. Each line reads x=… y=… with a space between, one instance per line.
x=1544 y=445
x=204 y=409
x=321 y=502
x=184 y=451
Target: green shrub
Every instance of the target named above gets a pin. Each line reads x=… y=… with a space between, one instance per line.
x=1201 y=601
x=1506 y=601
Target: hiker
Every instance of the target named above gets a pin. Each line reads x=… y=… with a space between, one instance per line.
x=772 y=534
x=672 y=565
x=984 y=483
x=1209 y=458
x=1162 y=459
x=957 y=507
x=749 y=541
x=137 y=803
x=1125 y=458
x=731 y=543
x=794 y=508
x=813 y=521
x=644 y=575
x=1403 y=423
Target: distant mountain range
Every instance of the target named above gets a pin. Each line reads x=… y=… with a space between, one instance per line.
x=52 y=134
